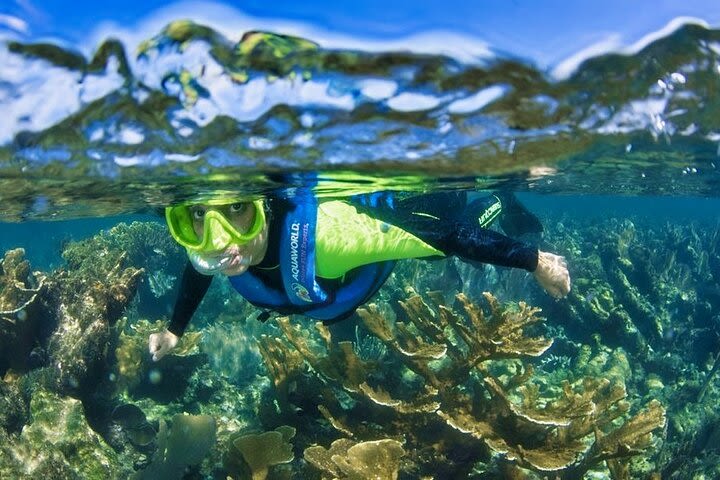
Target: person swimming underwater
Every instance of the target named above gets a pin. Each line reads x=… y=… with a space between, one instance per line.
x=324 y=259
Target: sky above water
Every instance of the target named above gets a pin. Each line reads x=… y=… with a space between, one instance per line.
x=554 y=34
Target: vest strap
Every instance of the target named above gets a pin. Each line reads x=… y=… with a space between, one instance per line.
x=297 y=250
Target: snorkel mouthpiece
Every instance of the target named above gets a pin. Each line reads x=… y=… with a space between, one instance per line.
x=208 y=265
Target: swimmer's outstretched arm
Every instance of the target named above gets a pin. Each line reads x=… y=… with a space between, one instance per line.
x=475 y=243
x=193 y=287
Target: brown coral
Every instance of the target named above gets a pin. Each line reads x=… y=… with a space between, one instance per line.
x=454 y=354
x=87 y=301
x=465 y=341
x=345 y=459
x=252 y=455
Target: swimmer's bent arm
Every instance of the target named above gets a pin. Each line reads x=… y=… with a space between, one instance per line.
x=193 y=287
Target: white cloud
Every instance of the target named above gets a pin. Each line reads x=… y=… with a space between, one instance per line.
x=615 y=43
x=413 y=102
x=14 y=23
x=232 y=23
x=477 y=101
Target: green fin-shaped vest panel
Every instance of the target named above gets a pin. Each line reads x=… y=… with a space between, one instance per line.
x=346 y=239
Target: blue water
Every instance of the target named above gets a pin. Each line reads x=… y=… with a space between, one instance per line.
x=43 y=241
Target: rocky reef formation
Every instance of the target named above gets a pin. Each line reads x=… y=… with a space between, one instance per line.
x=22 y=311
x=58 y=443
x=651 y=291
x=58 y=333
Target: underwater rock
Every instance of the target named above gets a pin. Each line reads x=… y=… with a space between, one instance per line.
x=133 y=422
x=146 y=246
x=18 y=286
x=186 y=442
x=58 y=443
x=169 y=379
x=87 y=297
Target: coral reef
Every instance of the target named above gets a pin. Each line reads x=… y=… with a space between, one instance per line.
x=146 y=246
x=18 y=286
x=350 y=460
x=58 y=444
x=88 y=298
x=14 y=408
x=650 y=290
x=67 y=323
x=252 y=455
x=620 y=381
x=133 y=364
x=454 y=369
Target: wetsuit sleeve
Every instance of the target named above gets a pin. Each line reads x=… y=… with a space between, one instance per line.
x=192 y=290
x=472 y=242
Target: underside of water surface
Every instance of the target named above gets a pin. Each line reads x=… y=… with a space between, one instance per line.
x=190 y=112
x=453 y=369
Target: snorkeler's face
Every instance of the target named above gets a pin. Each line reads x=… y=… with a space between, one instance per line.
x=235 y=258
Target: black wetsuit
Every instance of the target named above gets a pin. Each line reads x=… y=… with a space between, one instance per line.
x=443 y=220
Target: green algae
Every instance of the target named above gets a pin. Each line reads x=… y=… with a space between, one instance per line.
x=186 y=442
x=59 y=443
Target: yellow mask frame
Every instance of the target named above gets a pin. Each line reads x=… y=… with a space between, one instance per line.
x=218 y=232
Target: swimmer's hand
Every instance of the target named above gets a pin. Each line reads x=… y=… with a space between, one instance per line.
x=161 y=343
x=552 y=274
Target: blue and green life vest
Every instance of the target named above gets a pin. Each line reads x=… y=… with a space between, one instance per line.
x=330 y=240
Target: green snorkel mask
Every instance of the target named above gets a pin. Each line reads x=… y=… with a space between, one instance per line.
x=218 y=232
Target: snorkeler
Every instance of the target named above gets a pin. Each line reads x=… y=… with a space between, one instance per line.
x=324 y=259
